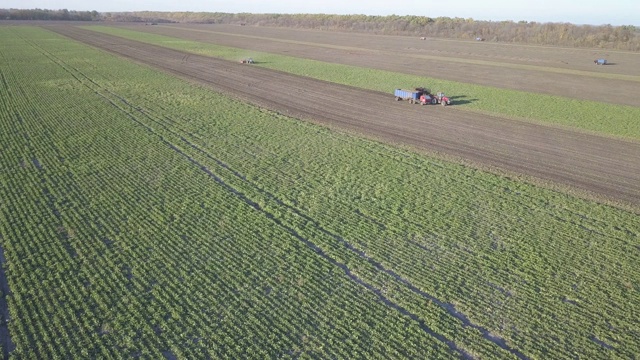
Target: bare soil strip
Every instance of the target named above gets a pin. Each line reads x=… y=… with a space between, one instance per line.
x=605 y=166
x=554 y=71
x=444 y=57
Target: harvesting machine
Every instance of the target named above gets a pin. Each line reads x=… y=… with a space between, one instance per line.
x=422 y=96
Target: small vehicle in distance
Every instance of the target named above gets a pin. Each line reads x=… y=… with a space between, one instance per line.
x=600 y=61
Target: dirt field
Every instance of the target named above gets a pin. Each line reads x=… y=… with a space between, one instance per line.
x=550 y=70
x=597 y=164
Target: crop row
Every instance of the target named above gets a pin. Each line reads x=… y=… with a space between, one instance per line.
x=112 y=253
x=423 y=197
x=273 y=207
x=472 y=256
x=524 y=253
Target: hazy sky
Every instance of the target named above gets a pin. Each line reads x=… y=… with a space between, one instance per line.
x=597 y=12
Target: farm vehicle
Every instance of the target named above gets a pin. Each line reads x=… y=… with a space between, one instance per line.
x=600 y=61
x=422 y=96
x=246 y=61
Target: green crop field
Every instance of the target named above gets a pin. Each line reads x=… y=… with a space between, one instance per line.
x=143 y=216
x=593 y=116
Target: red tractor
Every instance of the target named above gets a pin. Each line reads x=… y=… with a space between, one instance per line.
x=440 y=98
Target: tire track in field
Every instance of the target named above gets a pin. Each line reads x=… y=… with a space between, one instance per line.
x=311 y=245
x=488 y=335
x=246 y=199
x=449 y=308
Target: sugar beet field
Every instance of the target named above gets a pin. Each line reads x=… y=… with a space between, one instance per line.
x=146 y=216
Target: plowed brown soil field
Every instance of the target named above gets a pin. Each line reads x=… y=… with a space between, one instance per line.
x=566 y=72
x=601 y=165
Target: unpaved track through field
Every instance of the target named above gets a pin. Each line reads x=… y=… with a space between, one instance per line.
x=547 y=70
x=605 y=166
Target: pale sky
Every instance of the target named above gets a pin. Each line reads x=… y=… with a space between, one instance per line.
x=596 y=12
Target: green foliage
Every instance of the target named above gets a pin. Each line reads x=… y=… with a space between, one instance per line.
x=144 y=216
x=45 y=14
x=617 y=120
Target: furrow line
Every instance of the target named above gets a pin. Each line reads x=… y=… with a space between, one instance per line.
x=273 y=218
x=449 y=308
x=307 y=242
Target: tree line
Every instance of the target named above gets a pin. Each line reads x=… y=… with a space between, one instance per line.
x=45 y=14
x=526 y=32
x=625 y=37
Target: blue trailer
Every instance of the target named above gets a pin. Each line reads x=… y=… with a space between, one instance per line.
x=600 y=61
x=412 y=95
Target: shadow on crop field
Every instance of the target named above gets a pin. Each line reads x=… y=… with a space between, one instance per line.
x=461 y=100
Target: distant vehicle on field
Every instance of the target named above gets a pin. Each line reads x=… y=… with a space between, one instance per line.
x=246 y=61
x=600 y=61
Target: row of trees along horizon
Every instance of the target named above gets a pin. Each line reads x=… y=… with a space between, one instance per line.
x=625 y=37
